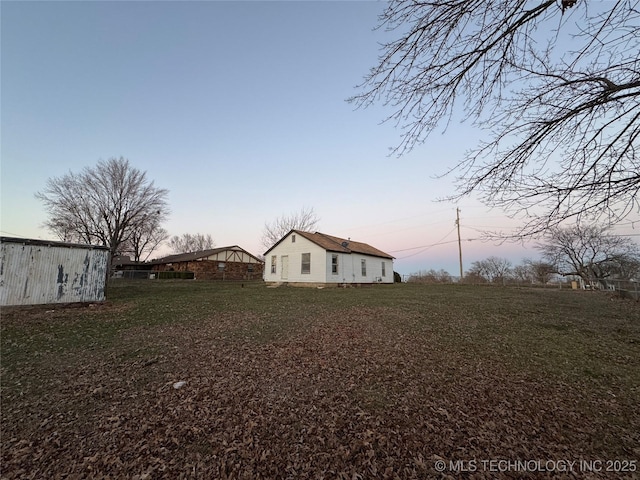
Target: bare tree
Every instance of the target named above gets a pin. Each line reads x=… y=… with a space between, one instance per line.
x=533 y=271
x=191 y=242
x=557 y=89
x=539 y=270
x=590 y=253
x=305 y=220
x=103 y=205
x=491 y=269
x=143 y=241
x=522 y=274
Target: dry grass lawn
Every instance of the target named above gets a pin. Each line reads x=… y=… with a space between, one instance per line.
x=381 y=382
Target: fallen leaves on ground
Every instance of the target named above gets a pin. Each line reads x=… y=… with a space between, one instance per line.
x=349 y=396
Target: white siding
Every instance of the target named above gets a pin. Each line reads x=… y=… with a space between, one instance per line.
x=350 y=269
x=34 y=272
x=294 y=251
x=349 y=264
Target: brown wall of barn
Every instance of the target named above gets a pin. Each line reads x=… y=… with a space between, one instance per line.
x=208 y=270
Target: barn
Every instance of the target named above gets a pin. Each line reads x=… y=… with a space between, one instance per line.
x=305 y=258
x=41 y=272
x=224 y=263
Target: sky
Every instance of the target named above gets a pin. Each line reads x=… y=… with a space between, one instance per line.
x=239 y=110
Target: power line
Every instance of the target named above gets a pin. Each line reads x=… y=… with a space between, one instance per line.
x=396 y=220
x=4 y=232
x=426 y=247
x=423 y=246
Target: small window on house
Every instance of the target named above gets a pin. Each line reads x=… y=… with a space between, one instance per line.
x=306 y=263
x=384 y=270
x=293 y=238
x=273 y=263
x=334 y=264
x=221 y=266
x=250 y=267
x=363 y=266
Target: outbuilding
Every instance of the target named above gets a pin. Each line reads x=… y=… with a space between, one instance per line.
x=306 y=258
x=223 y=263
x=41 y=272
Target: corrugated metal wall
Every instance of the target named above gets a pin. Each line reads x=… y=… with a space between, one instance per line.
x=39 y=272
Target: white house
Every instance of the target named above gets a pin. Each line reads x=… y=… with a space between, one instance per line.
x=317 y=258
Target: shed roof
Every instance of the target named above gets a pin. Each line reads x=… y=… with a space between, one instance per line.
x=337 y=244
x=190 y=256
x=50 y=243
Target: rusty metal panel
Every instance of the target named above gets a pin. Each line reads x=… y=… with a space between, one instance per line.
x=41 y=272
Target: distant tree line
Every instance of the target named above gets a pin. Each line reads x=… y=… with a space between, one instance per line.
x=431 y=276
x=586 y=252
x=499 y=270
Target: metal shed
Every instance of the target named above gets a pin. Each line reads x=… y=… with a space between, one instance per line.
x=41 y=272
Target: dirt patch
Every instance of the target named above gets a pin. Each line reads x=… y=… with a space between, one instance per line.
x=35 y=315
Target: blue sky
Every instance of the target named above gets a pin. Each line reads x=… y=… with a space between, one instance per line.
x=238 y=109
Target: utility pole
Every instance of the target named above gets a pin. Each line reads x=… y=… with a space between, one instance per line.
x=459 y=242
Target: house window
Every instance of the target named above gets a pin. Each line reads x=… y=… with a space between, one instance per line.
x=273 y=263
x=293 y=238
x=306 y=263
x=384 y=270
x=334 y=264
x=250 y=267
x=363 y=266
x=221 y=267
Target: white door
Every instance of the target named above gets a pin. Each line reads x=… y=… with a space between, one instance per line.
x=284 y=267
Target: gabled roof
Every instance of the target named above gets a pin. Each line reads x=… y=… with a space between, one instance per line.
x=336 y=244
x=191 y=256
